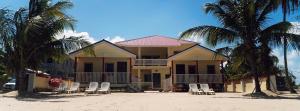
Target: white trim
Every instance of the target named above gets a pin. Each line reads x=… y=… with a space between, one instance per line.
x=192 y=48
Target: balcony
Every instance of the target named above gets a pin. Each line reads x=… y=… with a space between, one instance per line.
x=199 y=78
x=151 y=62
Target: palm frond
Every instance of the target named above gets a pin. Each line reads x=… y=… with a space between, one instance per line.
x=213 y=35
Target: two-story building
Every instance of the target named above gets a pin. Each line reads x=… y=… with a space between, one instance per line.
x=153 y=62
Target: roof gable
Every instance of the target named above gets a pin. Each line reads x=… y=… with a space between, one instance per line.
x=103 y=48
x=197 y=52
x=154 y=41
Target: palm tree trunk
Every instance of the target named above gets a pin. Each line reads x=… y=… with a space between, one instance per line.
x=253 y=66
x=286 y=71
x=22 y=86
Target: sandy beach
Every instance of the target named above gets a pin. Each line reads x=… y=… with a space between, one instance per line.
x=149 y=102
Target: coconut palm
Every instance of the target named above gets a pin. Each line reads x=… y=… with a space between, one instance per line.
x=287 y=7
x=242 y=22
x=29 y=37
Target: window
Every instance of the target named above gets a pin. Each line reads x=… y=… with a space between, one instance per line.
x=211 y=69
x=122 y=66
x=148 y=77
x=109 y=67
x=88 y=67
x=192 y=69
x=180 y=69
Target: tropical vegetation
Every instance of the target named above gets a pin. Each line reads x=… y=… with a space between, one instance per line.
x=28 y=36
x=243 y=27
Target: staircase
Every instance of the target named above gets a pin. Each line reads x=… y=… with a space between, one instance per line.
x=133 y=88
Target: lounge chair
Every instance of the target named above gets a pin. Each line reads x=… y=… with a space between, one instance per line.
x=62 y=87
x=105 y=88
x=205 y=88
x=193 y=89
x=74 y=87
x=92 y=88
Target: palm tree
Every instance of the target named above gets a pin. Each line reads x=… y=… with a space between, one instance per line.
x=287 y=6
x=242 y=23
x=30 y=36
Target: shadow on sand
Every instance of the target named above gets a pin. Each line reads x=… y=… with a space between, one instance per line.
x=51 y=97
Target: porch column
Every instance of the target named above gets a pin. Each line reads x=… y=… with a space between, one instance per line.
x=75 y=65
x=130 y=71
x=197 y=71
x=75 y=69
x=139 y=75
x=172 y=74
x=103 y=70
x=139 y=52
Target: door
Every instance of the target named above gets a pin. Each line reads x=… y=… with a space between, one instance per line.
x=108 y=76
x=122 y=72
x=156 y=80
x=180 y=73
x=192 y=77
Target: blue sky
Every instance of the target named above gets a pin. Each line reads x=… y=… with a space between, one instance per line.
x=127 y=19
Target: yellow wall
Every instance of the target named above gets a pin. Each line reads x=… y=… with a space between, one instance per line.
x=249 y=85
x=104 y=49
x=179 y=48
x=238 y=86
x=229 y=87
x=41 y=82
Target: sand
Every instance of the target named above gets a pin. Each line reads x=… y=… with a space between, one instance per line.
x=149 y=102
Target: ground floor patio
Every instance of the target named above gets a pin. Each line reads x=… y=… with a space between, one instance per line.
x=149 y=102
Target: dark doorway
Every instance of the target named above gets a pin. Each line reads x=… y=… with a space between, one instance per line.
x=122 y=67
x=180 y=69
x=109 y=67
x=147 y=78
x=211 y=69
x=156 y=80
x=192 y=69
x=88 y=67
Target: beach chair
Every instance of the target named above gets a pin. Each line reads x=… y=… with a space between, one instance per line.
x=62 y=87
x=205 y=88
x=193 y=89
x=105 y=88
x=92 y=88
x=74 y=87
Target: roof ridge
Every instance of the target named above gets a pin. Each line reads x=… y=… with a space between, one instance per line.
x=155 y=36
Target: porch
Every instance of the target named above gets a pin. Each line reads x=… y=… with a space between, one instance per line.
x=198 y=78
x=112 y=77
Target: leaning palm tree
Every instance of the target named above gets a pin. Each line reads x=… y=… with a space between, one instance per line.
x=242 y=22
x=287 y=7
x=30 y=36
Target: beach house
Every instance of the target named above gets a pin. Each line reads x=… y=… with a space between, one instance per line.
x=152 y=62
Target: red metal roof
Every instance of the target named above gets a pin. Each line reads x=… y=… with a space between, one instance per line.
x=154 y=41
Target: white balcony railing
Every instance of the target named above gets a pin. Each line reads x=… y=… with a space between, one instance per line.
x=112 y=77
x=151 y=62
x=198 y=78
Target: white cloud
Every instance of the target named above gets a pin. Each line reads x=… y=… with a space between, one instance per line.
x=292 y=59
x=68 y=33
x=115 y=39
x=296 y=28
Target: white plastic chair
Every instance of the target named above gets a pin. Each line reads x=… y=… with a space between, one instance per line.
x=193 y=89
x=105 y=88
x=205 y=88
x=92 y=87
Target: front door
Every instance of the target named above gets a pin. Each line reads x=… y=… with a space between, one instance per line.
x=156 y=80
x=122 y=72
